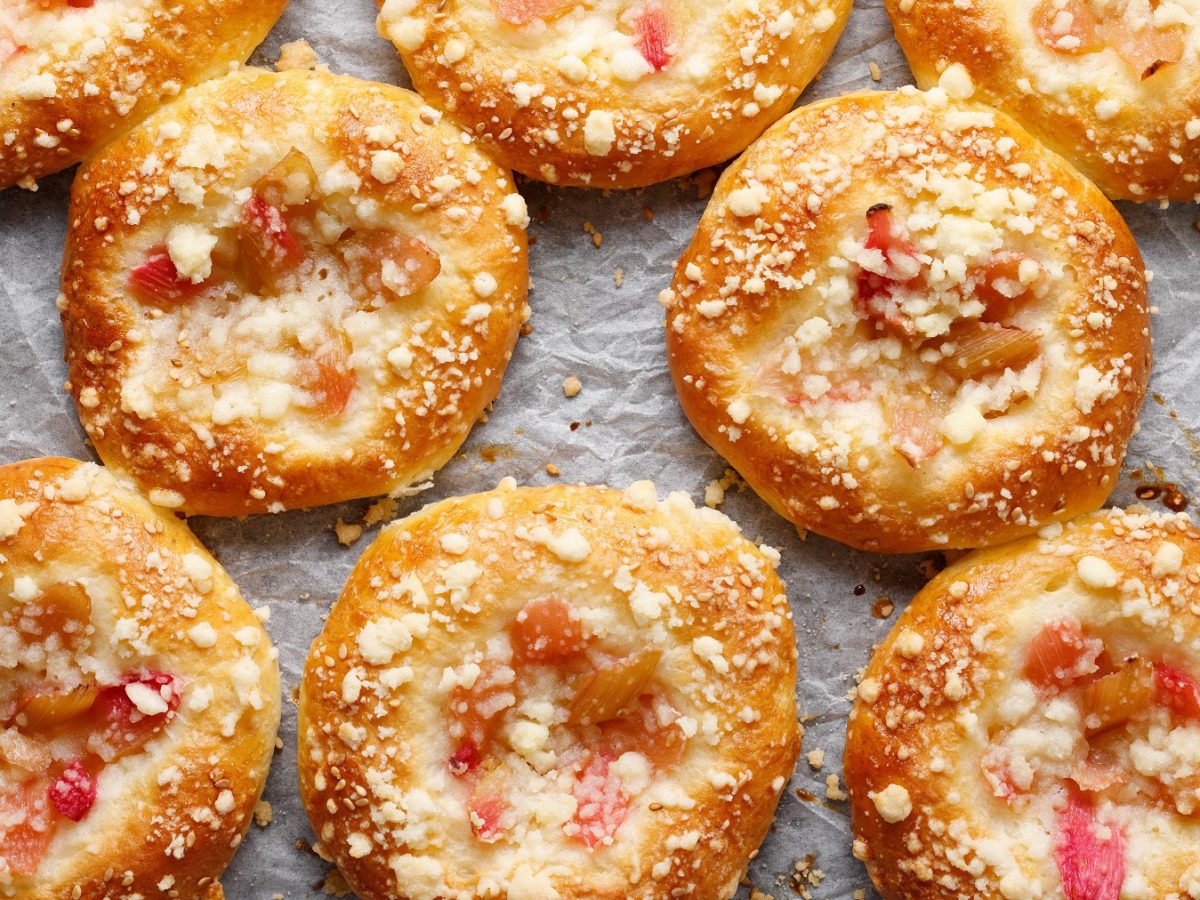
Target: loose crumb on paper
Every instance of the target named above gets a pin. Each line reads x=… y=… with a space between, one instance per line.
x=876 y=74
x=296 y=55
x=597 y=237
x=805 y=875
x=552 y=470
x=714 y=492
x=572 y=386
x=382 y=510
x=263 y=813
x=833 y=790
x=411 y=490
x=816 y=759
x=702 y=182
x=335 y=884
x=347 y=532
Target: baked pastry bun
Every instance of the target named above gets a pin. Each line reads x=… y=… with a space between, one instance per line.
x=74 y=74
x=564 y=692
x=937 y=337
x=289 y=289
x=139 y=695
x=613 y=93
x=1031 y=727
x=1112 y=85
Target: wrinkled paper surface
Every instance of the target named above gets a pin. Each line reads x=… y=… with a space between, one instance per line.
x=596 y=316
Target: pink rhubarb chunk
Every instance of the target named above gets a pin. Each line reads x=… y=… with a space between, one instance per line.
x=1091 y=867
x=653 y=33
x=603 y=804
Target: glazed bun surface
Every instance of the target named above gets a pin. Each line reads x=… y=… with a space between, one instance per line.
x=1031 y=727
x=565 y=692
x=1112 y=85
x=139 y=695
x=74 y=74
x=289 y=289
x=613 y=93
x=934 y=336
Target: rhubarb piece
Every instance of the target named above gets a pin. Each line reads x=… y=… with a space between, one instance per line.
x=547 y=631
x=998 y=774
x=64 y=609
x=156 y=282
x=885 y=235
x=23 y=844
x=1113 y=700
x=875 y=290
x=1071 y=27
x=476 y=710
x=980 y=348
x=602 y=804
x=1060 y=654
x=490 y=818
x=653 y=34
x=998 y=285
x=74 y=792
x=644 y=730
x=1074 y=28
x=23 y=752
x=390 y=261
x=912 y=433
x=328 y=376
x=772 y=381
x=522 y=12
x=291 y=182
x=1091 y=865
x=491 y=813
x=613 y=688
x=1177 y=690
x=1105 y=765
x=48 y=708
x=270 y=252
x=69 y=600
x=121 y=725
x=1147 y=49
x=9 y=47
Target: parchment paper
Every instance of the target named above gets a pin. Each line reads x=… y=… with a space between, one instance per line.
x=606 y=329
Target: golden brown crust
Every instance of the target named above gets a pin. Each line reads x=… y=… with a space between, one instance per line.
x=942 y=691
x=1138 y=139
x=570 y=100
x=87 y=75
x=174 y=813
x=209 y=436
x=780 y=242
x=457 y=573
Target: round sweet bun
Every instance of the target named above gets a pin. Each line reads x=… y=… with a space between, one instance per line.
x=289 y=289
x=613 y=93
x=936 y=337
x=139 y=694
x=560 y=693
x=1031 y=726
x=1112 y=85
x=74 y=74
